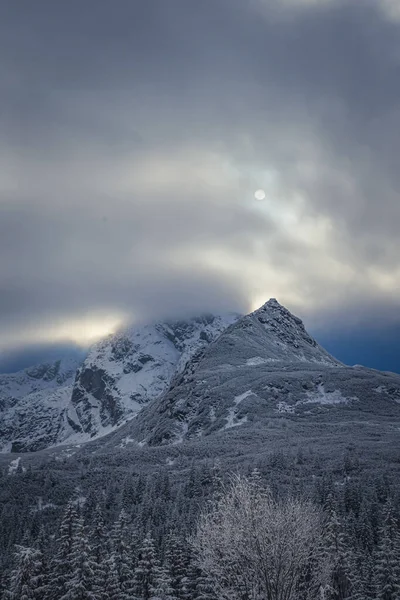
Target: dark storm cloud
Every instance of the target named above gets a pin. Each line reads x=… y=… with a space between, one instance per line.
x=135 y=133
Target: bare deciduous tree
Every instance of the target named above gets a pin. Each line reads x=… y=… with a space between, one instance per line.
x=254 y=547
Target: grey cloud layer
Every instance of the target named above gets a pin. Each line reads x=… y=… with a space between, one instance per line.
x=135 y=133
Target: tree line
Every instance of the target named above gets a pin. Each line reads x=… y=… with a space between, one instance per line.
x=213 y=537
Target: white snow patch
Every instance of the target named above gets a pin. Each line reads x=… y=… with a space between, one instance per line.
x=170 y=461
x=42 y=505
x=232 y=420
x=238 y=399
x=256 y=360
x=284 y=407
x=213 y=417
x=79 y=501
x=321 y=396
x=126 y=440
x=14 y=464
x=180 y=437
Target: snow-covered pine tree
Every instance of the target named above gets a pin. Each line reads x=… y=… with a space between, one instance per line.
x=26 y=578
x=112 y=588
x=81 y=583
x=387 y=558
x=147 y=569
x=61 y=566
x=361 y=576
x=204 y=589
x=336 y=553
x=176 y=559
x=99 y=554
x=191 y=578
x=121 y=555
x=42 y=545
x=162 y=589
x=128 y=494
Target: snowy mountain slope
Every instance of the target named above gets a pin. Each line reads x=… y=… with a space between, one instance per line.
x=45 y=376
x=268 y=335
x=58 y=402
x=126 y=370
x=34 y=405
x=201 y=378
x=261 y=368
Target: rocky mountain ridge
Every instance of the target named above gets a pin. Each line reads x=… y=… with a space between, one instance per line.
x=67 y=402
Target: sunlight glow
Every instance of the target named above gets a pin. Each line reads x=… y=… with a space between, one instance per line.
x=83 y=331
x=259 y=195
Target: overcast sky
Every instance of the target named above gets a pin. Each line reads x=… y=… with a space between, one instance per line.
x=134 y=134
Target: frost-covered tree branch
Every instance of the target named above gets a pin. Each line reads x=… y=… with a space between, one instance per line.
x=254 y=547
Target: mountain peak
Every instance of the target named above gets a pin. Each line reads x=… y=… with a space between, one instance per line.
x=285 y=336
x=272 y=302
x=273 y=306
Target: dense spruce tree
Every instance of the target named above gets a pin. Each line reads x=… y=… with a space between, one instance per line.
x=99 y=554
x=176 y=558
x=204 y=588
x=147 y=570
x=112 y=588
x=387 y=557
x=336 y=553
x=62 y=566
x=81 y=582
x=161 y=589
x=26 y=582
x=121 y=554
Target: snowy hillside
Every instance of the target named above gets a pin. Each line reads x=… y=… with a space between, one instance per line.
x=263 y=367
x=34 y=405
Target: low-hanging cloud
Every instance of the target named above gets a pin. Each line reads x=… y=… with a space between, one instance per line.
x=135 y=135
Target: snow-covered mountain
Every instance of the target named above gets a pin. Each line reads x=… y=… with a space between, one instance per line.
x=127 y=370
x=63 y=401
x=34 y=405
x=190 y=379
x=263 y=368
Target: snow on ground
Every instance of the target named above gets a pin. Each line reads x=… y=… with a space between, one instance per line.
x=284 y=407
x=42 y=505
x=126 y=440
x=321 y=396
x=232 y=420
x=238 y=399
x=14 y=464
x=258 y=360
x=318 y=396
x=184 y=429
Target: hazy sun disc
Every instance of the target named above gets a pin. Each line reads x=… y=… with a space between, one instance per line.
x=259 y=195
